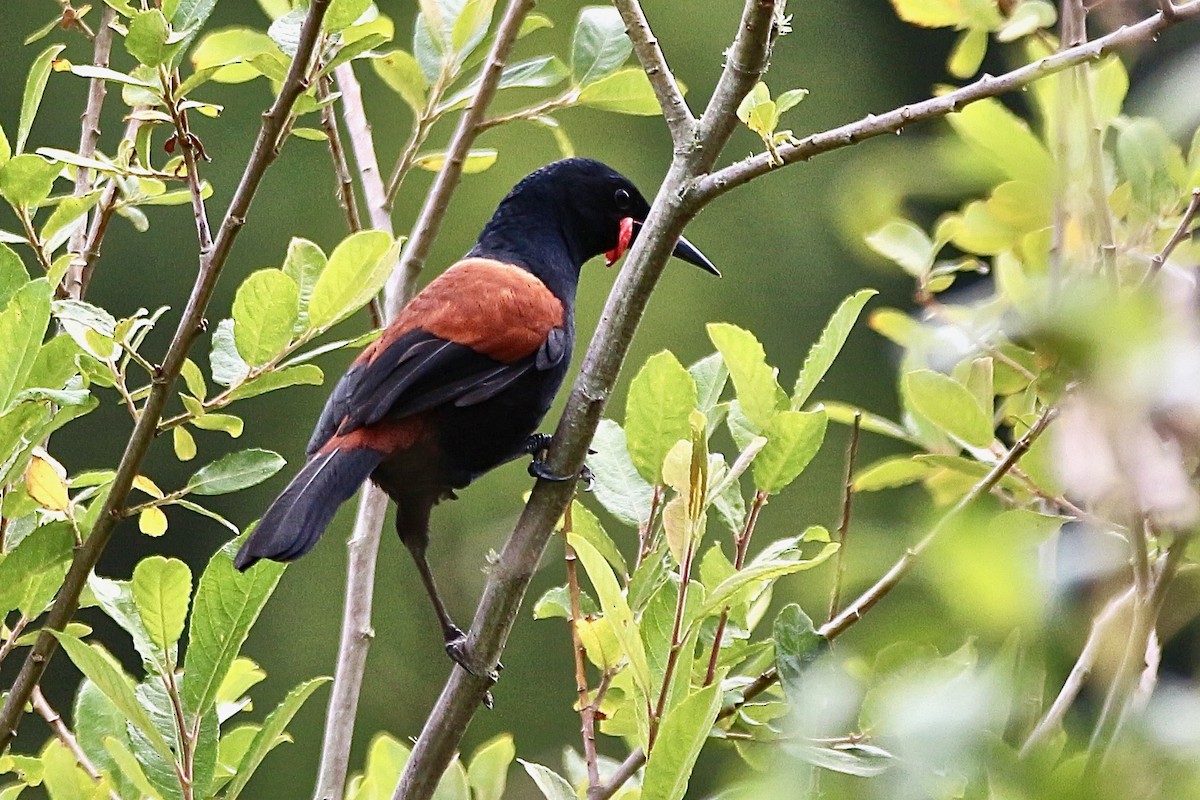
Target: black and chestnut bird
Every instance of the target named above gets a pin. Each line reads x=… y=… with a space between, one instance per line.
x=459 y=382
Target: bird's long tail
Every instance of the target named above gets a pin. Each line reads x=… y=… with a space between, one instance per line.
x=298 y=517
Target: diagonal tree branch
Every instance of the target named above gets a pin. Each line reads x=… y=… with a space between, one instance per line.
x=734 y=175
x=212 y=261
x=680 y=122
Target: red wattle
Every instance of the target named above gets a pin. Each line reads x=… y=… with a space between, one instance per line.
x=623 y=238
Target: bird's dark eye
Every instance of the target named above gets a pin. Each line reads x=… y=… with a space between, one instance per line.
x=623 y=199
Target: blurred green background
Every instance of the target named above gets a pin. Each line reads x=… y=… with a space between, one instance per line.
x=787 y=259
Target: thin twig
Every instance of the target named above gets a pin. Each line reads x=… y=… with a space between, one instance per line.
x=587 y=712
x=896 y=120
x=741 y=543
x=89 y=135
x=420 y=132
x=17 y=629
x=1181 y=233
x=46 y=711
x=341 y=169
x=1079 y=674
x=190 y=326
x=676 y=113
x=363 y=545
x=867 y=600
x=843 y=531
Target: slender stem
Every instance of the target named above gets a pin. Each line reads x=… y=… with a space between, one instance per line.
x=554 y=104
x=896 y=120
x=88 y=137
x=31 y=236
x=866 y=601
x=675 y=110
x=185 y=768
x=341 y=169
x=843 y=531
x=188 y=144
x=741 y=544
x=46 y=711
x=587 y=712
x=420 y=132
x=17 y=629
x=685 y=579
x=646 y=533
x=190 y=326
x=1053 y=718
x=1181 y=233
x=363 y=546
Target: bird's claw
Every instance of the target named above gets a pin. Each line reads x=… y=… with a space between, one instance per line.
x=456 y=648
x=538 y=469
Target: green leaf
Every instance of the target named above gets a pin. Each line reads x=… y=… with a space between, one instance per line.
x=891 y=473
x=115 y=598
x=306 y=374
x=552 y=785
x=619 y=487
x=229 y=51
x=271 y=734
x=127 y=763
x=823 y=353
x=265 y=312
x=63 y=777
x=27 y=180
x=183 y=444
x=5 y=148
x=661 y=398
x=905 y=244
x=680 y=739
x=758 y=112
x=949 y=405
x=487 y=771
x=930 y=13
x=797 y=644
x=584 y=523
x=225 y=423
x=386 y=758
x=626 y=91
x=344 y=13
x=193 y=378
x=358 y=268
x=968 y=53
x=304 y=264
x=599 y=45
x=402 y=74
x=1028 y=16
x=235 y=471
x=535 y=73
x=477 y=160
x=1144 y=153
x=98 y=666
x=35 y=87
x=63 y=221
x=162 y=589
x=470 y=26
x=843 y=414
x=768 y=570
x=758 y=391
x=228 y=368
x=1005 y=140
x=616 y=608
x=793 y=439
x=188 y=18
x=147 y=38
x=97 y=719
x=226 y=605
x=22 y=327
x=31 y=572
x=12 y=274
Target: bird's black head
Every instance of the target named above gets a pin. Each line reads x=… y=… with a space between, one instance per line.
x=567 y=212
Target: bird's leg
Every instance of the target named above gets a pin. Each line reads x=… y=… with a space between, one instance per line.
x=536 y=446
x=412 y=521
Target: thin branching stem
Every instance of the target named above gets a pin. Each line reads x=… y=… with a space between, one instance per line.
x=676 y=113
x=42 y=707
x=843 y=531
x=741 y=543
x=587 y=712
x=1181 y=232
x=89 y=136
x=190 y=326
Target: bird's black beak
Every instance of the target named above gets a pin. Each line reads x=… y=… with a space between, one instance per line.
x=684 y=249
x=687 y=251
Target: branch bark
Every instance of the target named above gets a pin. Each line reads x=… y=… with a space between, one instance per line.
x=190 y=326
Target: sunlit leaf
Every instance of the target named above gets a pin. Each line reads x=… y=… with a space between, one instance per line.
x=235 y=471
x=35 y=87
